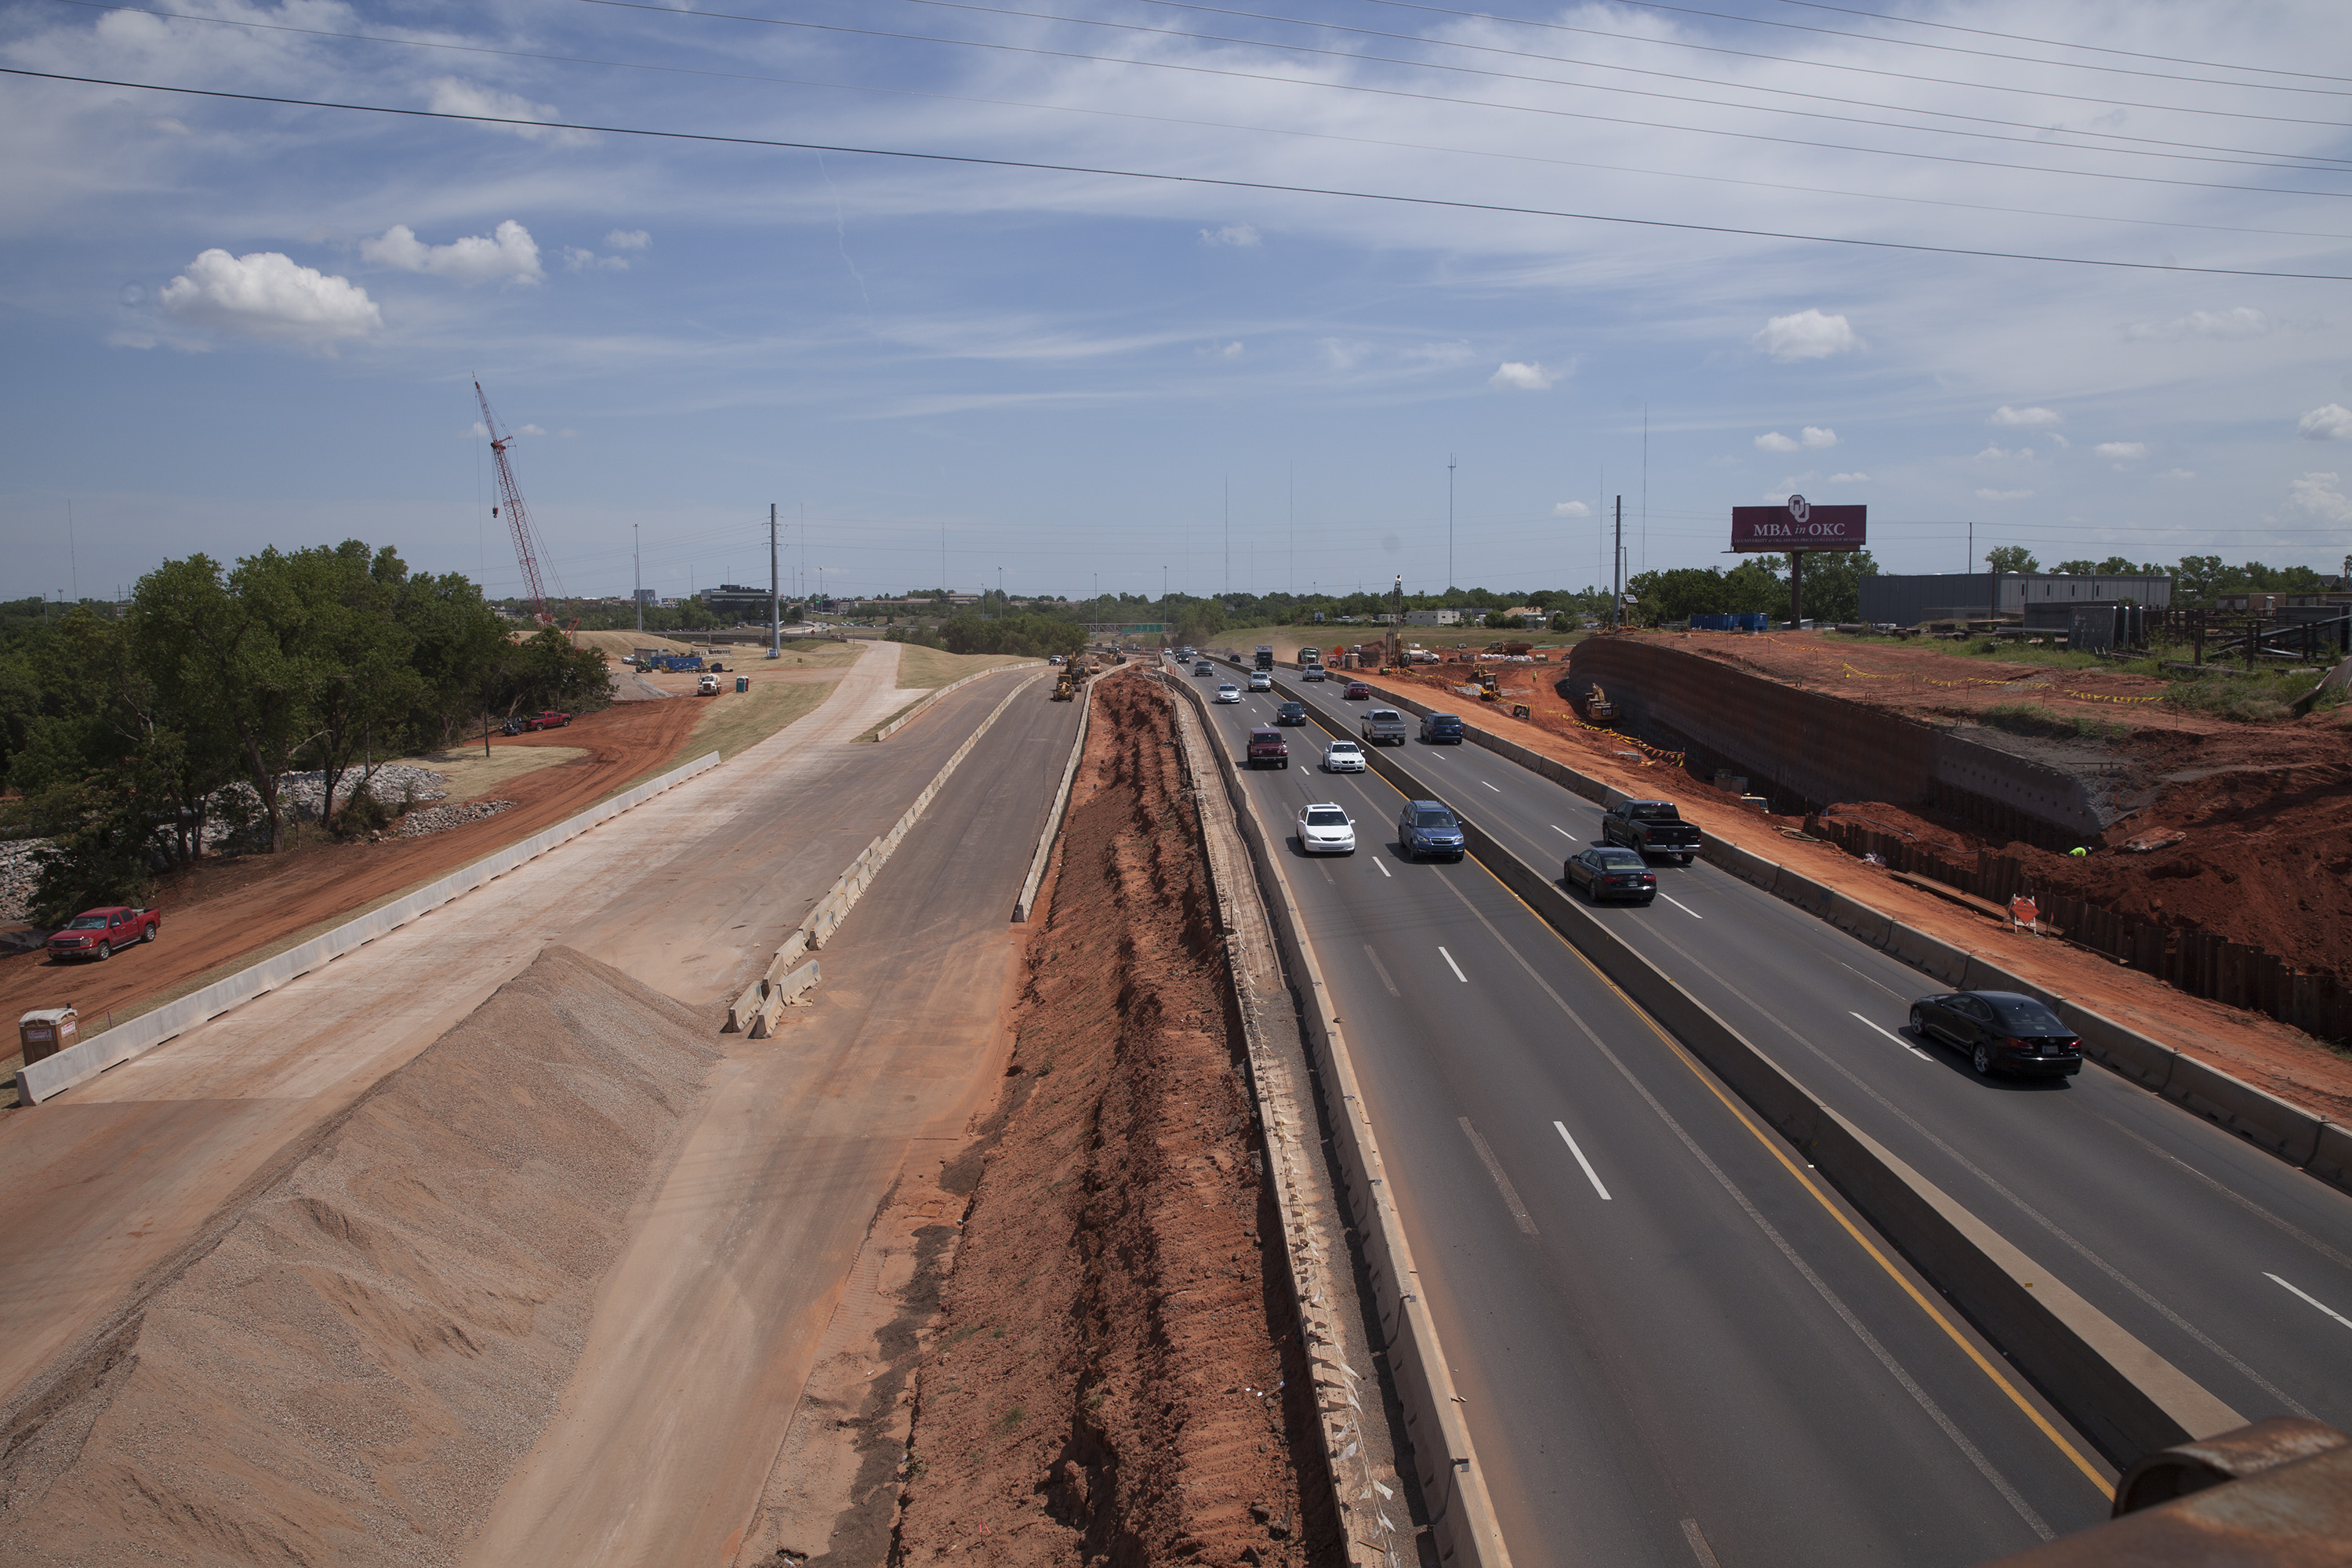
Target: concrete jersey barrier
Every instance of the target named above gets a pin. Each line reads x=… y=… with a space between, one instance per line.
x=44 y=1079
x=1022 y=905
x=923 y=705
x=2312 y=1144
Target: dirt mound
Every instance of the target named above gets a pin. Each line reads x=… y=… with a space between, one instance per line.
x=348 y=1374
x=1114 y=1377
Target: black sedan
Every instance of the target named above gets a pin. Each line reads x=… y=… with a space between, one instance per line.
x=1291 y=713
x=1605 y=871
x=2001 y=1031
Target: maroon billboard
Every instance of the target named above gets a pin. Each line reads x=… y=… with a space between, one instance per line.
x=1799 y=525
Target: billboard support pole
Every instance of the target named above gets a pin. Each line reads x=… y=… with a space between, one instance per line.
x=1617 y=572
x=1796 y=588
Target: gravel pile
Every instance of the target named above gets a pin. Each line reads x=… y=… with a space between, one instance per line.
x=16 y=870
x=391 y=783
x=439 y=818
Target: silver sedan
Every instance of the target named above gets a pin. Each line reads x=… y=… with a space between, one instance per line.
x=1229 y=692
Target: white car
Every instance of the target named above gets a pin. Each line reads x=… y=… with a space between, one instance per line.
x=1228 y=693
x=1343 y=757
x=1326 y=829
x=1261 y=680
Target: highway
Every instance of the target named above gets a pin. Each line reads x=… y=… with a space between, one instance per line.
x=2229 y=1263
x=1675 y=1343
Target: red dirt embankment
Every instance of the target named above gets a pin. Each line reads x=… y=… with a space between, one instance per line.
x=230 y=908
x=1114 y=1377
x=350 y=1373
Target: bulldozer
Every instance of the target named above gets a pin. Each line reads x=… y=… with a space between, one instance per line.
x=1489 y=689
x=1065 y=686
x=1598 y=709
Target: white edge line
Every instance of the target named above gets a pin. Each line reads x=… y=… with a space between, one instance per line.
x=1454 y=966
x=1590 y=1173
x=1682 y=906
x=1892 y=1036
x=2313 y=1299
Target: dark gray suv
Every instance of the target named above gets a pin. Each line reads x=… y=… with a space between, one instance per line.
x=1427 y=828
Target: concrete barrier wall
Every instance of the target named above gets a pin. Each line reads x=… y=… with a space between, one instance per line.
x=1452 y=1484
x=1028 y=898
x=81 y=1063
x=923 y=706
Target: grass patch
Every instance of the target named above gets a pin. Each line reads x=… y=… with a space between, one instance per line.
x=734 y=720
x=2034 y=719
x=875 y=732
x=471 y=775
x=2247 y=699
x=924 y=669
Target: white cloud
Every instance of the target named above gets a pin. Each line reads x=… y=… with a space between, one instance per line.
x=1773 y=441
x=2121 y=451
x=627 y=239
x=2002 y=495
x=1849 y=479
x=530 y=430
x=1242 y=235
x=2317 y=494
x=1818 y=436
x=576 y=260
x=2059 y=441
x=451 y=96
x=507 y=255
x=1998 y=455
x=1221 y=351
x=269 y=295
x=2027 y=417
x=1570 y=509
x=2329 y=422
x=2177 y=474
x=1342 y=353
x=1808 y=335
x=2242 y=322
x=1517 y=377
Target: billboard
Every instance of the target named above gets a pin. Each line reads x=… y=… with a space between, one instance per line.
x=1799 y=525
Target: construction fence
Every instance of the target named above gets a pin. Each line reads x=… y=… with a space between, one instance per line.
x=2189 y=959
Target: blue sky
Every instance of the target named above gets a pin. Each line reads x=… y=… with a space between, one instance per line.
x=231 y=323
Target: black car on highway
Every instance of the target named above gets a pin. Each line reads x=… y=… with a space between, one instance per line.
x=1606 y=871
x=2001 y=1031
x=1291 y=713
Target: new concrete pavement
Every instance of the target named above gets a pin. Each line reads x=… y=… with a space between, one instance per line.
x=1676 y=1345
x=2231 y=1265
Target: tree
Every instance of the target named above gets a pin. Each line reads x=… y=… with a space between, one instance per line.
x=2012 y=558
x=364 y=684
x=1833 y=585
x=456 y=642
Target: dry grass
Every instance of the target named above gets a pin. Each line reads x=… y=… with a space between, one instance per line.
x=471 y=775
x=924 y=669
x=735 y=720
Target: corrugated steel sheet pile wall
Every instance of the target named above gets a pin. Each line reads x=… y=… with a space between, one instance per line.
x=2193 y=961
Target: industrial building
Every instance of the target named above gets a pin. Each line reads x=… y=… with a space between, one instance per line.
x=1906 y=600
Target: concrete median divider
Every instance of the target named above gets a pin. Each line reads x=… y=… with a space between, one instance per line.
x=817 y=927
x=1028 y=898
x=782 y=994
x=924 y=705
x=1462 y=1518
x=2286 y=1129
x=78 y=1064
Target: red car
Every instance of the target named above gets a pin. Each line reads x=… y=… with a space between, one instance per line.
x=1358 y=692
x=95 y=933
x=1267 y=746
x=548 y=719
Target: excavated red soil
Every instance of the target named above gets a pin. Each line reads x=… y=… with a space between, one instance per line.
x=228 y=907
x=348 y=1375
x=1114 y=1377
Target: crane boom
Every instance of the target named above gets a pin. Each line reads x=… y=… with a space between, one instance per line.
x=526 y=537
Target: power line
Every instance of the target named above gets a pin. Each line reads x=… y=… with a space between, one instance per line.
x=997 y=47
x=1504 y=209
x=1214 y=125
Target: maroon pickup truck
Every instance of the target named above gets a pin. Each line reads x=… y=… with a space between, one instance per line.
x=1267 y=748
x=95 y=933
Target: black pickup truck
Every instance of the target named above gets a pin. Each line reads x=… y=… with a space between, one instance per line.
x=1651 y=826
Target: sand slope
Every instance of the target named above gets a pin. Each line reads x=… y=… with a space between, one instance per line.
x=348 y=1374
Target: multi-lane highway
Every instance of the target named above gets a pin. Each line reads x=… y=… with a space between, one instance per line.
x=1669 y=1331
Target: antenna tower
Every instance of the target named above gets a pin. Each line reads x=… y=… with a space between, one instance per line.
x=527 y=544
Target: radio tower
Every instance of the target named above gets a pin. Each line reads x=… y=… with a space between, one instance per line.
x=526 y=537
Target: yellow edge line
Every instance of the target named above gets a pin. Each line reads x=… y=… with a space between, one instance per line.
x=1773 y=1145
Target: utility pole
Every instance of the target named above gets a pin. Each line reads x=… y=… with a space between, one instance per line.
x=1617 y=572
x=1449 y=523
x=1229 y=536
x=637 y=576
x=775 y=592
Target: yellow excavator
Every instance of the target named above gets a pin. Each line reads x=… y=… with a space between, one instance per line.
x=1489 y=689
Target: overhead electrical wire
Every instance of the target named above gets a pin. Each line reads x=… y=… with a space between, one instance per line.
x=1207 y=124
x=1208 y=181
x=2059 y=43
x=1512 y=108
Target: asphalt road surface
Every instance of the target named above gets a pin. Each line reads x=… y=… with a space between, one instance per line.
x=1675 y=1343
x=2226 y=1262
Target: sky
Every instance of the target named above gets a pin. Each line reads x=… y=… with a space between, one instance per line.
x=1314 y=293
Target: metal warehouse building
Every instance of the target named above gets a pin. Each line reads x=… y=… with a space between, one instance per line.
x=1907 y=600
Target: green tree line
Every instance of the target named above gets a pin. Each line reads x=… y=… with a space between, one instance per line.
x=119 y=732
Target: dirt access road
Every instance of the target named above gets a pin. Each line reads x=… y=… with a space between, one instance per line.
x=117 y=1182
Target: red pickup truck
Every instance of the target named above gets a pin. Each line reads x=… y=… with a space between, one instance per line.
x=95 y=933
x=549 y=719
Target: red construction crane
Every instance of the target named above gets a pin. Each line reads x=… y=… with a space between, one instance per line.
x=526 y=537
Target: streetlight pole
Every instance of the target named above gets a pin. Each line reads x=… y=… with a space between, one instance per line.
x=1449 y=523
x=775 y=592
x=637 y=571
